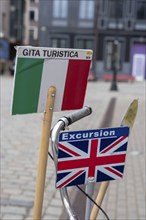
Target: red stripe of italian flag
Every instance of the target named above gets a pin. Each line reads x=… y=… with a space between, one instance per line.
x=35 y=75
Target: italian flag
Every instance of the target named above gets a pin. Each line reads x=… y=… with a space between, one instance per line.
x=38 y=68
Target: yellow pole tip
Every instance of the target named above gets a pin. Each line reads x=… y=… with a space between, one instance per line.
x=131 y=113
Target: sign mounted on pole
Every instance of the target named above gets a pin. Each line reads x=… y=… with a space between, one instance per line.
x=38 y=68
x=99 y=154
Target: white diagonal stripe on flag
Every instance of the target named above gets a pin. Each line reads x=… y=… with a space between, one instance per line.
x=115 y=146
x=110 y=173
x=70 y=177
x=74 y=149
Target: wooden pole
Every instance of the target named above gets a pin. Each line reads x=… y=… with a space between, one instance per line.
x=99 y=199
x=128 y=120
x=43 y=154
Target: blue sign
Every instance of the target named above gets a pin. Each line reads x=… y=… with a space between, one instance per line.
x=99 y=154
x=91 y=134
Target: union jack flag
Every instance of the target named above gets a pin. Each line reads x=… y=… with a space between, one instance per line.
x=101 y=158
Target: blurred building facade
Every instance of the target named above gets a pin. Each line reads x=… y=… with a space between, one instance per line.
x=19 y=23
x=68 y=24
x=123 y=21
x=11 y=23
x=96 y=24
x=88 y=24
x=4 y=34
x=16 y=21
x=4 y=18
x=31 y=21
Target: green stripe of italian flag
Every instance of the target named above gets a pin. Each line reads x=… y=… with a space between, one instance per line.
x=33 y=77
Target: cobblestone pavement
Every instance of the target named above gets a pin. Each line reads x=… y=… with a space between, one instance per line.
x=20 y=137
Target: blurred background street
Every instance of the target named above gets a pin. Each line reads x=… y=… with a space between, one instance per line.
x=114 y=29
x=116 y=32
x=20 y=137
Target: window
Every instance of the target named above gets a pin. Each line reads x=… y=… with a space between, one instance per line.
x=60 y=8
x=32 y=15
x=109 y=55
x=84 y=43
x=129 y=6
x=3 y=21
x=86 y=10
x=33 y=33
x=113 y=51
x=141 y=10
x=102 y=5
x=116 y=9
x=59 y=42
x=34 y=1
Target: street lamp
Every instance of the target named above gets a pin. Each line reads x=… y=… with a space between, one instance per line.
x=114 y=66
x=115 y=46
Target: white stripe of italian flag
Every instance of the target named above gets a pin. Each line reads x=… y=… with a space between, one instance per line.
x=34 y=76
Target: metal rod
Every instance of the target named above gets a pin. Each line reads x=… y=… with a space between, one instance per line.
x=61 y=124
x=89 y=191
x=54 y=144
